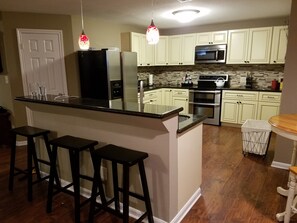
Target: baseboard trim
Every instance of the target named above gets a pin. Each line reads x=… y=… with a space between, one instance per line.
x=280 y=165
x=182 y=213
x=135 y=213
x=21 y=143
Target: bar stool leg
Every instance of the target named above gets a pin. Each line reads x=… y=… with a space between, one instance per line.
x=74 y=161
x=125 y=194
x=49 y=153
x=116 y=186
x=34 y=154
x=29 y=166
x=51 y=180
x=12 y=162
x=145 y=192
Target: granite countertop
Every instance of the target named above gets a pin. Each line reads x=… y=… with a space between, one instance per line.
x=195 y=87
x=112 y=106
x=118 y=106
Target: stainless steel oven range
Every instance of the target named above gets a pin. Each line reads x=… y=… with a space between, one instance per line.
x=205 y=99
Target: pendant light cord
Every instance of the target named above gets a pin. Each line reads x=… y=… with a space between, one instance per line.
x=82 y=16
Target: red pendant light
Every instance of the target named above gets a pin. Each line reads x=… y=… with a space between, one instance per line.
x=83 y=40
x=152 y=34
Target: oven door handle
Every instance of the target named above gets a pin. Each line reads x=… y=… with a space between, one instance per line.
x=207 y=104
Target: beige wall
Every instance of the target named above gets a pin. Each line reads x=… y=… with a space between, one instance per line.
x=289 y=103
x=10 y=22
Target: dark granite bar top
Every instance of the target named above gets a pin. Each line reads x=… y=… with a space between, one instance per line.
x=118 y=106
x=113 y=106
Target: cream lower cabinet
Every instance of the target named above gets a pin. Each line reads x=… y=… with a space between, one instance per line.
x=180 y=98
x=153 y=97
x=176 y=97
x=269 y=103
x=238 y=106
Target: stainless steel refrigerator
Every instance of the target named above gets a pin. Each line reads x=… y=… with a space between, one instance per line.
x=108 y=75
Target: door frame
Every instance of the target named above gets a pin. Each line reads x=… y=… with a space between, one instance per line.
x=59 y=33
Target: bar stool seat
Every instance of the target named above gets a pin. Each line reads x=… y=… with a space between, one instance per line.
x=30 y=133
x=127 y=158
x=74 y=145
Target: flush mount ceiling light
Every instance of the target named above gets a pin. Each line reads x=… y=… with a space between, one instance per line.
x=186 y=15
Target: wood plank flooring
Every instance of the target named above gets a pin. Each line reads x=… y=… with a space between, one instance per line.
x=235 y=189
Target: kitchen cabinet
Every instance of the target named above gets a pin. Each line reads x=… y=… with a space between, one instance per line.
x=279 y=44
x=136 y=42
x=238 y=106
x=180 y=98
x=176 y=97
x=153 y=97
x=161 y=51
x=269 y=103
x=249 y=46
x=209 y=38
x=181 y=49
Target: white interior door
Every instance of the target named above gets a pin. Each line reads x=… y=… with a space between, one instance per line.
x=42 y=60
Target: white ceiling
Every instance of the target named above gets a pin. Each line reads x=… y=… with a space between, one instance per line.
x=139 y=12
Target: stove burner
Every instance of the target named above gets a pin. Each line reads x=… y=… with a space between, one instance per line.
x=208 y=81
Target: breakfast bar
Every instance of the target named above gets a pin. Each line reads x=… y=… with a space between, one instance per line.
x=173 y=142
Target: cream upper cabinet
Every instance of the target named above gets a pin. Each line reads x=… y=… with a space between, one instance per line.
x=279 y=44
x=174 y=49
x=238 y=106
x=181 y=49
x=207 y=38
x=145 y=52
x=269 y=103
x=249 y=46
x=161 y=51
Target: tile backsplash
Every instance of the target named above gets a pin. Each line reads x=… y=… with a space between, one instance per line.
x=262 y=74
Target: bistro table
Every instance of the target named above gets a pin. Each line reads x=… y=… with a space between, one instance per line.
x=285 y=125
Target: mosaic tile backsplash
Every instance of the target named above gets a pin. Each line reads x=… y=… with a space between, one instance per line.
x=173 y=75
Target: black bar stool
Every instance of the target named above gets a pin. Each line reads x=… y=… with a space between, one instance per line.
x=30 y=133
x=128 y=158
x=74 y=145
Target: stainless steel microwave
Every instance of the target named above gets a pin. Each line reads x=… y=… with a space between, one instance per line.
x=211 y=54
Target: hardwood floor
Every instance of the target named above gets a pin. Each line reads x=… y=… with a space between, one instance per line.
x=234 y=188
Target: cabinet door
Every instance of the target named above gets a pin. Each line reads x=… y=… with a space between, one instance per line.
x=247 y=110
x=161 y=51
x=181 y=102
x=220 y=37
x=237 y=46
x=174 y=49
x=188 y=49
x=138 y=47
x=267 y=110
x=259 y=45
x=203 y=38
x=167 y=96
x=207 y=38
x=279 y=44
x=149 y=58
x=229 y=111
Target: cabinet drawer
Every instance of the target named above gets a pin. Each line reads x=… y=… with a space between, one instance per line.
x=269 y=97
x=240 y=95
x=180 y=93
x=150 y=95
